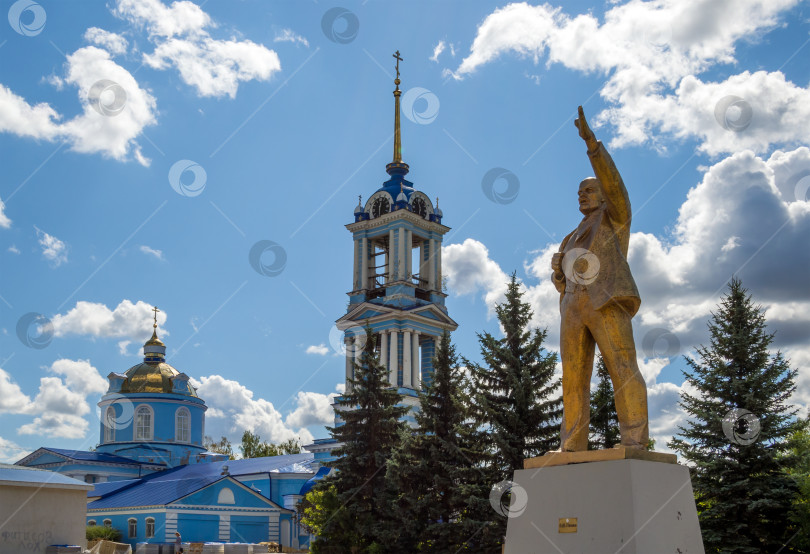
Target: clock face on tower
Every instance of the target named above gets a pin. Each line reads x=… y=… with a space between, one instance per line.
x=419 y=207
x=380 y=207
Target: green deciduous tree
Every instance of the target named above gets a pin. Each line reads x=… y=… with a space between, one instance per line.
x=736 y=437
x=800 y=472
x=253 y=447
x=604 y=419
x=222 y=446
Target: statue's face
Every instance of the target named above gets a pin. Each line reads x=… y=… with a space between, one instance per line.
x=590 y=195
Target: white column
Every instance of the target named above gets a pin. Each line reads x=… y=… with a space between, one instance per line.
x=401 y=255
x=391 y=257
x=431 y=265
x=407 y=370
x=384 y=348
x=422 y=263
x=225 y=527
x=363 y=263
x=416 y=361
x=347 y=341
x=408 y=254
x=356 y=275
x=392 y=360
x=358 y=347
x=438 y=264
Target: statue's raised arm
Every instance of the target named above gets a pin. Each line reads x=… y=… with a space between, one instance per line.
x=585 y=131
x=613 y=190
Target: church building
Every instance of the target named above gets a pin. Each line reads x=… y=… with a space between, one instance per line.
x=153 y=477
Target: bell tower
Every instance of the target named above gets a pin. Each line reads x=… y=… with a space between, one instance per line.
x=397 y=276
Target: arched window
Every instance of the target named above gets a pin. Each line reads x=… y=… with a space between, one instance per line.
x=91 y=522
x=226 y=496
x=150 y=527
x=107 y=523
x=109 y=424
x=143 y=423
x=182 y=425
x=133 y=527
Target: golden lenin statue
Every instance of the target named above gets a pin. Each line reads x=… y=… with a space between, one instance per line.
x=598 y=299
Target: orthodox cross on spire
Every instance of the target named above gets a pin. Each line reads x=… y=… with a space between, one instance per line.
x=155 y=309
x=399 y=59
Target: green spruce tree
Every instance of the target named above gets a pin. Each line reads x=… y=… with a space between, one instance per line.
x=371 y=430
x=516 y=400
x=437 y=474
x=604 y=419
x=736 y=437
x=516 y=396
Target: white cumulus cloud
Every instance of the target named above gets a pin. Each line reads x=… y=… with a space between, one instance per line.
x=468 y=268
x=313 y=409
x=288 y=35
x=60 y=405
x=128 y=320
x=12 y=398
x=80 y=376
x=11 y=452
x=53 y=249
x=233 y=409
x=112 y=42
x=5 y=222
x=103 y=88
x=319 y=349
x=653 y=55
x=212 y=66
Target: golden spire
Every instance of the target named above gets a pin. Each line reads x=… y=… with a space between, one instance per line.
x=397 y=93
x=397 y=166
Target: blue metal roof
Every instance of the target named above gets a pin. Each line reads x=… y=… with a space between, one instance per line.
x=85 y=456
x=322 y=472
x=159 y=489
x=106 y=489
x=36 y=476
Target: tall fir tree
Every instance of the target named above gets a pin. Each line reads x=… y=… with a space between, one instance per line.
x=443 y=503
x=516 y=396
x=371 y=430
x=605 y=431
x=736 y=435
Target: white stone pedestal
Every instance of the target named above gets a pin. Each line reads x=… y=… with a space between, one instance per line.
x=621 y=506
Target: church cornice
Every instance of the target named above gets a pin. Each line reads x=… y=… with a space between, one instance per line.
x=391 y=217
x=348 y=320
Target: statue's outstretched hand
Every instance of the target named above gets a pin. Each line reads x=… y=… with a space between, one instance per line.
x=585 y=131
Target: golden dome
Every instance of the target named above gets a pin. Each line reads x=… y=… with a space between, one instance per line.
x=151 y=377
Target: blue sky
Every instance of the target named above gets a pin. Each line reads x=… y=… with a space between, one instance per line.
x=285 y=109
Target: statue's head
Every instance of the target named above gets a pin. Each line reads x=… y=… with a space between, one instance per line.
x=590 y=195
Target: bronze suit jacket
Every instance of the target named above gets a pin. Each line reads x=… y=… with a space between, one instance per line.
x=606 y=234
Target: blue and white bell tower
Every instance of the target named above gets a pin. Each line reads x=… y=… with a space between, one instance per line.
x=397 y=277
